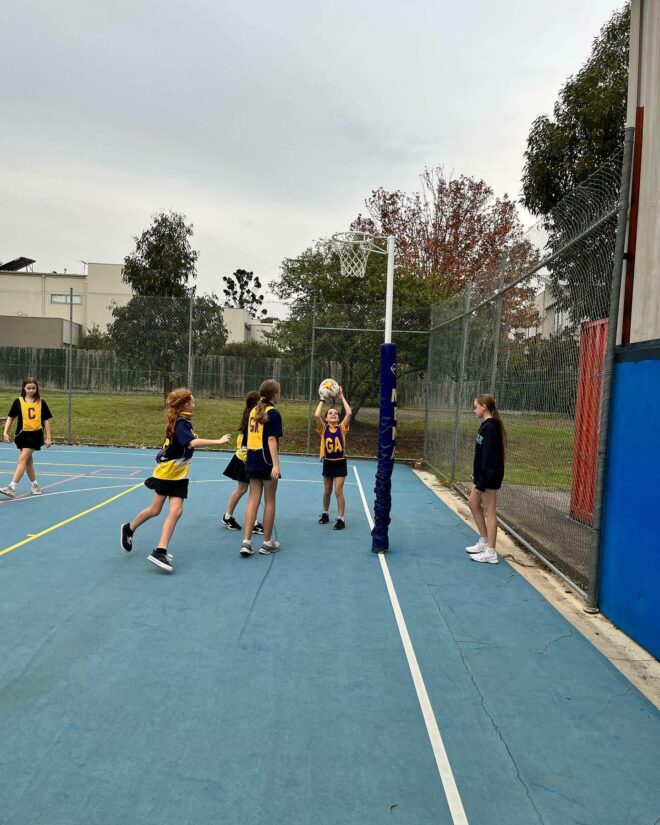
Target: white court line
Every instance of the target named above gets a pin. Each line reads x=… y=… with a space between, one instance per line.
x=441 y=759
x=68 y=492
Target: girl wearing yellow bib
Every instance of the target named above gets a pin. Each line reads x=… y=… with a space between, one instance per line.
x=32 y=417
x=236 y=467
x=262 y=465
x=333 y=455
x=170 y=476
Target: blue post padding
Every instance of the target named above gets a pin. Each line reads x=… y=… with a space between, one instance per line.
x=386 y=446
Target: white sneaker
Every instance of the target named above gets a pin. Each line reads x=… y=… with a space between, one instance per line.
x=479 y=547
x=246 y=549
x=36 y=489
x=487 y=555
x=269 y=547
x=8 y=491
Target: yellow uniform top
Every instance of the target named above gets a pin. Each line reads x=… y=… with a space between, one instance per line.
x=333 y=441
x=31 y=415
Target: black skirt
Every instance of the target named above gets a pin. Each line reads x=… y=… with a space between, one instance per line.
x=236 y=470
x=171 y=489
x=335 y=469
x=30 y=439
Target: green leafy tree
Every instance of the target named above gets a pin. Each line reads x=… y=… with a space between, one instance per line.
x=587 y=125
x=151 y=332
x=163 y=262
x=242 y=290
x=95 y=339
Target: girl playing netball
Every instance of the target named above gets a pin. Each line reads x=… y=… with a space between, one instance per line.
x=487 y=474
x=32 y=418
x=236 y=467
x=170 y=477
x=262 y=464
x=333 y=455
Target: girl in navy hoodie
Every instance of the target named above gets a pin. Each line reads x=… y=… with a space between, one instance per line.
x=487 y=475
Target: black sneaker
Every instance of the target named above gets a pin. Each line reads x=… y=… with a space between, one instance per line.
x=231 y=523
x=126 y=537
x=324 y=518
x=339 y=524
x=162 y=560
x=258 y=529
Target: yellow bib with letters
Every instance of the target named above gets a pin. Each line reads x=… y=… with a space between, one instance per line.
x=31 y=413
x=256 y=430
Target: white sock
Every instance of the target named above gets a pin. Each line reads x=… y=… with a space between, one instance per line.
x=483 y=540
x=490 y=549
x=34 y=482
x=228 y=515
x=340 y=518
x=12 y=484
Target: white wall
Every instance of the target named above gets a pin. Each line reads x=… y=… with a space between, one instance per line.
x=644 y=90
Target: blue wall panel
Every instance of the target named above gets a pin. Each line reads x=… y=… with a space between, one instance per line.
x=630 y=560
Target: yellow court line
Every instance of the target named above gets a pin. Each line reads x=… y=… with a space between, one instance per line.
x=68 y=520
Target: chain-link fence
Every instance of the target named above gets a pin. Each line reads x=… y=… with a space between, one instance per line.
x=533 y=332
x=148 y=345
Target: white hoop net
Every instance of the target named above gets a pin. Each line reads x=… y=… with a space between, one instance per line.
x=353 y=249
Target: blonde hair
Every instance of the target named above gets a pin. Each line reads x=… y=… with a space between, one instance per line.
x=267 y=391
x=488 y=402
x=176 y=401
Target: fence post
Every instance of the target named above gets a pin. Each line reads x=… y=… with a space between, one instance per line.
x=311 y=381
x=498 y=322
x=461 y=375
x=591 y=605
x=428 y=393
x=190 y=333
x=70 y=361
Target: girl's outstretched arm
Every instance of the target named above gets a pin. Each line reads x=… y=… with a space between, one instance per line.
x=317 y=414
x=209 y=442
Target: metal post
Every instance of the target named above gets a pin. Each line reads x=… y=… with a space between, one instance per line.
x=428 y=398
x=498 y=322
x=190 y=334
x=311 y=381
x=389 y=293
x=70 y=439
x=461 y=375
x=608 y=371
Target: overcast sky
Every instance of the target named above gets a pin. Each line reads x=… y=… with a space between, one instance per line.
x=266 y=123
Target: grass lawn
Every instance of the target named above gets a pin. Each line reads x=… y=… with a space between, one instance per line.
x=540 y=446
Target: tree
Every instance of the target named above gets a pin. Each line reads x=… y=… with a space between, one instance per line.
x=152 y=330
x=163 y=262
x=588 y=124
x=452 y=232
x=94 y=339
x=241 y=291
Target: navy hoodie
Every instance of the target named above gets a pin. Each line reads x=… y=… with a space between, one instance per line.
x=488 y=467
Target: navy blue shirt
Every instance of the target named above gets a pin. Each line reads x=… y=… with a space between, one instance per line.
x=260 y=461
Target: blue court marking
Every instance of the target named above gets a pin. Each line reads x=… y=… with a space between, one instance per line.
x=275 y=689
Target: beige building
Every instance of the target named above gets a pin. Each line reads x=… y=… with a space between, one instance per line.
x=39 y=295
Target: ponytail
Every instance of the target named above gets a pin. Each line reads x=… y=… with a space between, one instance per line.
x=251 y=400
x=267 y=391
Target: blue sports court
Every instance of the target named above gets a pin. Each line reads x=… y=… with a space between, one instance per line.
x=322 y=685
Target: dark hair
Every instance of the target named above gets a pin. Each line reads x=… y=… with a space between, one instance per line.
x=267 y=391
x=30 y=380
x=251 y=401
x=488 y=402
